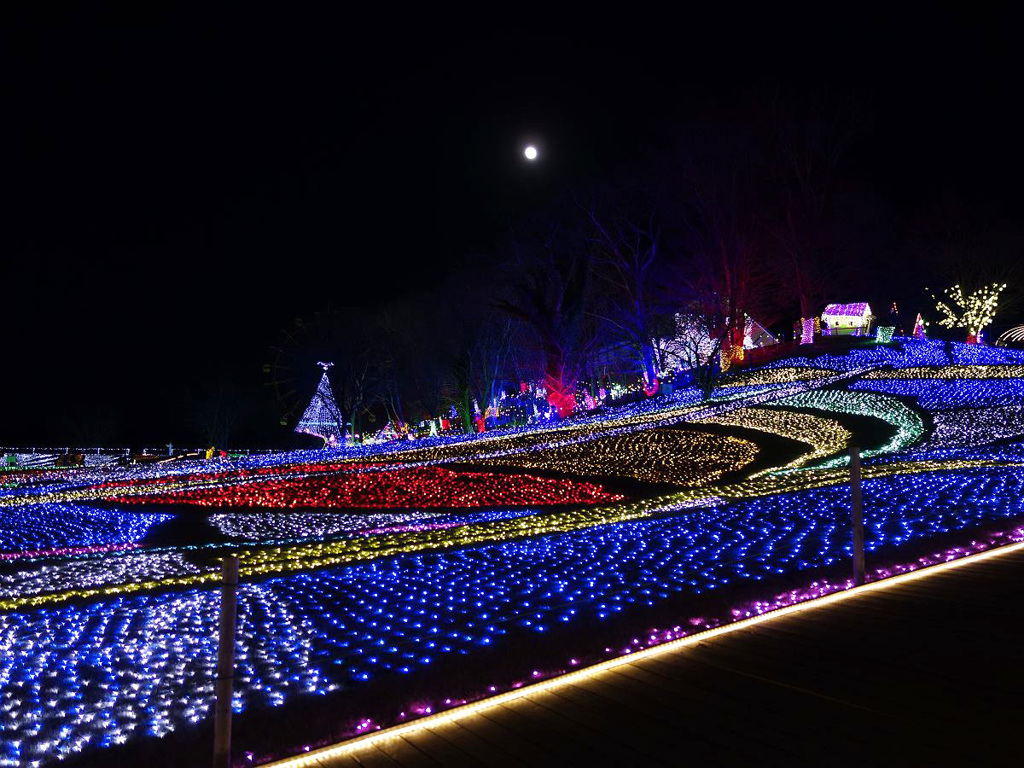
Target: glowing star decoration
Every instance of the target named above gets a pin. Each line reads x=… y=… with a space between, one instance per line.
x=970 y=311
x=322 y=417
x=530 y=152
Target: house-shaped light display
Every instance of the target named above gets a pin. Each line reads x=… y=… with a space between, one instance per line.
x=854 y=319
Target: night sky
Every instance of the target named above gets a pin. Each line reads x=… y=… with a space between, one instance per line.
x=180 y=188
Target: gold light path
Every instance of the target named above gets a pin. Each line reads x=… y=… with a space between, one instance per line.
x=825 y=436
x=785 y=375
x=660 y=455
x=951 y=372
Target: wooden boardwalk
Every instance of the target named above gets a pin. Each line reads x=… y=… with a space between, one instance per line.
x=929 y=672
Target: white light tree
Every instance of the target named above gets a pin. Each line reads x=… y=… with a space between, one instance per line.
x=972 y=311
x=322 y=417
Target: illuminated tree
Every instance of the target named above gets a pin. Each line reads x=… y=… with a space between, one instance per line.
x=972 y=311
x=700 y=334
x=322 y=417
x=626 y=252
x=549 y=294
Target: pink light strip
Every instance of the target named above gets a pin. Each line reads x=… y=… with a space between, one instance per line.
x=68 y=551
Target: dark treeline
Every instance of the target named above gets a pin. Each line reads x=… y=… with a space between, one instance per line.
x=764 y=217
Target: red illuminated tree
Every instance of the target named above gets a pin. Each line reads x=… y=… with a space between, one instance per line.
x=549 y=290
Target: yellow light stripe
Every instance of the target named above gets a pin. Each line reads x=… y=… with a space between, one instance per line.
x=950 y=372
x=458 y=713
x=825 y=436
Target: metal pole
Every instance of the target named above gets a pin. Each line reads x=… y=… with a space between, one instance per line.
x=225 y=664
x=858 y=517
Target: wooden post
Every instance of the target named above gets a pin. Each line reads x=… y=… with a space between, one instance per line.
x=858 y=517
x=225 y=664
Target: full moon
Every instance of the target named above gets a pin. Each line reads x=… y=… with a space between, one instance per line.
x=530 y=152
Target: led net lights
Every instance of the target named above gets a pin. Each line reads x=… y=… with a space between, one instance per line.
x=410 y=487
x=272 y=560
x=908 y=423
x=124 y=644
x=54 y=576
x=909 y=353
x=263 y=526
x=630 y=420
x=654 y=456
x=936 y=395
x=781 y=375
x=39 y=528
x=1004 y=371
x=975 y=426
x=83 y=676
x=825 y=436
x=297 y=526
x=128 y=571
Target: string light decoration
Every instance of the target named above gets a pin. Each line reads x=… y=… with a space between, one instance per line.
x=854 y=318
x=103 y=641
x=920 y=332
x=908 y=423
x=883 y=335
x=322 y=418
x=825 y=436
x=972 y=311
x=406 y=487
x=807 y=327
x=653 y=456
x=1013 y=336
x=87 y=676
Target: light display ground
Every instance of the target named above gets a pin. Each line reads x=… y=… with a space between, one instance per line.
x=384 y=583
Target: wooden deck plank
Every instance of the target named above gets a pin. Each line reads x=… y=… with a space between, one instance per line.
x=926 y=673
x=500 y=738
x=602 y=725
x=441 y=751
x=479 y=750
x=373 y=757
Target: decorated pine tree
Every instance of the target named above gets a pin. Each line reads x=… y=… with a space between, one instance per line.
x=322 y=417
